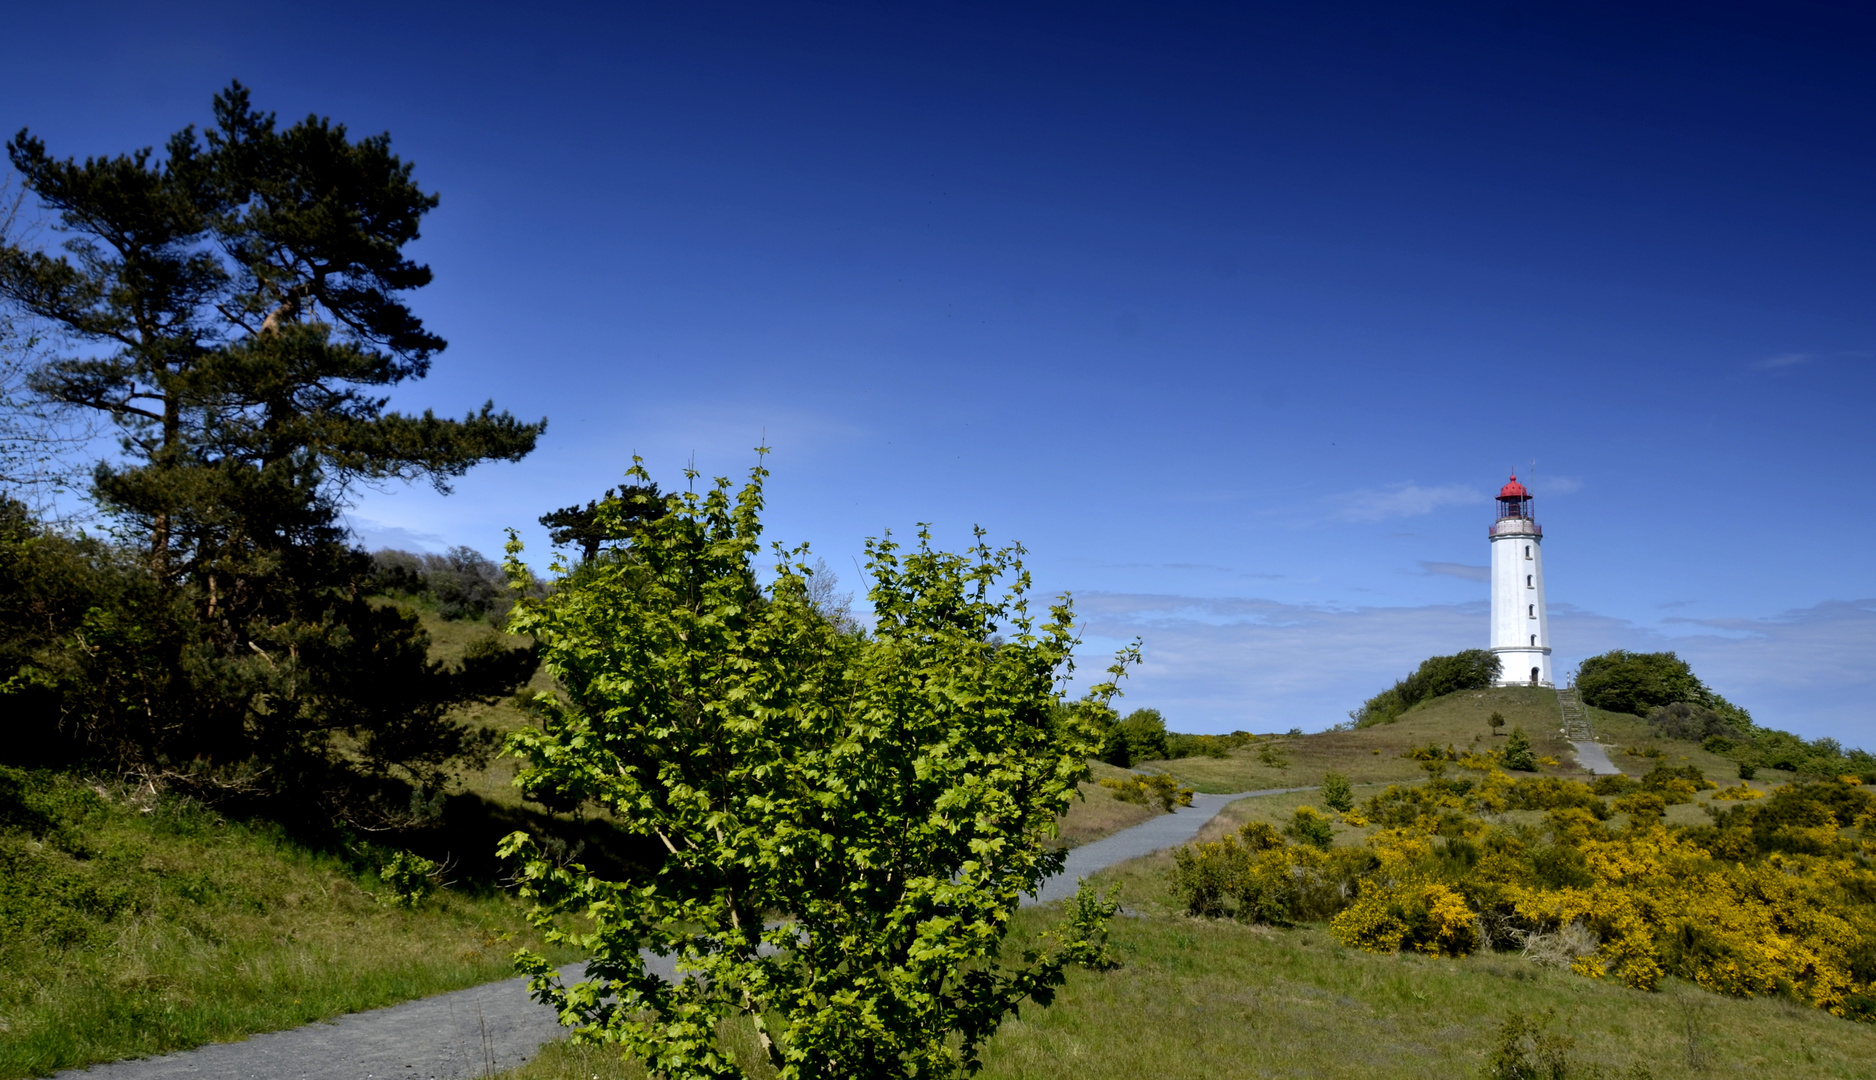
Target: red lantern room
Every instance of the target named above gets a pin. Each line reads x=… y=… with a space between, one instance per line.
x=1514 y=501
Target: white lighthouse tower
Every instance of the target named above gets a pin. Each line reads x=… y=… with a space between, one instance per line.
x=1520 y=625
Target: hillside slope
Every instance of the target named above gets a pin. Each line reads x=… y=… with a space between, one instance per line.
x=1374 y=754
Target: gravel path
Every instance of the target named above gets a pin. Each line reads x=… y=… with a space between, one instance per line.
x=475 y=1032
x=489 y=1028
x=1593 y=757
x=1157 y=834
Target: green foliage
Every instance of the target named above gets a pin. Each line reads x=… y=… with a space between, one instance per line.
x=1527 y=1049
x=1518 y=753
x=1308 y=826
x=1156 y=789
x=848 y=821
x=408 y=879
x=1213 y=746
x=1695 y=723
x=1644 y=805
x=239 y=310
x=1144 y=731
x=459 y=584
x=1747 y=771
x=135 y=923
x=582 y=527
x=1254 y=876
x=1495 y=721
x=1631 y=682
x=1473 y=669
x=1552 y=793
x=1336 y=793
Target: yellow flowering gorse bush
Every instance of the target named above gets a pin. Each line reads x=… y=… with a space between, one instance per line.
x=1776 y=895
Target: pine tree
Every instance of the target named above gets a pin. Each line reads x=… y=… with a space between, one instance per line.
x=240 y=304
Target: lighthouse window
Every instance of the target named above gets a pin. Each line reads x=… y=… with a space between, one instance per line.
x=1533 y=639
x=1533 y=608
x=1527 y=581
x=1527 y=551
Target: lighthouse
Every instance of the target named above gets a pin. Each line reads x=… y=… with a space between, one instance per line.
x=1520 y=625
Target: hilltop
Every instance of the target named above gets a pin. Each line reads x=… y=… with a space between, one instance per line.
x=1374 y=754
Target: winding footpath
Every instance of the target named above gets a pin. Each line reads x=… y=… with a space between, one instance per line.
x=493 y=1027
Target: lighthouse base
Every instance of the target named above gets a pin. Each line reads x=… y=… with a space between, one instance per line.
x=1521 y=665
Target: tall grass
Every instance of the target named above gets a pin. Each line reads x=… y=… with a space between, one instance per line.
x=134 y=925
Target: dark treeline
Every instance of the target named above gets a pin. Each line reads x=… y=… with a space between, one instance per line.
x=1141 y=735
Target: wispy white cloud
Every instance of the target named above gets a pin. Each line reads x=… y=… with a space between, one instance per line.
x=1401 y=500
x=1458 y=570
x=374 y=535
x=1560 y=485
x=1783 y=360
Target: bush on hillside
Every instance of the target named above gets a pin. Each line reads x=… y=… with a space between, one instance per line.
x=1156 y=790
x=1776 y=896
x=1694 y=723
x=1337 y=795
x=1216 y=746
x=1518 y=754
x=1473 y=669
x=1632 y=682
x=1308 y=826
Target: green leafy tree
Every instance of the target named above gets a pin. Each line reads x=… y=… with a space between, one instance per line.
x=1496 y=721
x=1632 y=682
x=1518 y=753
x=847 y=821
x=239 y=309
x=1144 y=731
x=1337 y=794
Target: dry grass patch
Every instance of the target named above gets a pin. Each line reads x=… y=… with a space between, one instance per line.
x=1097 y=813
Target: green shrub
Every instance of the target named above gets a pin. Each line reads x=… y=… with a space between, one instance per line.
x=1144 y=731
x=1157 y=789
x=1495 y=721
x=1336 y=793
x=1747 y=771
x=1692 y=722
x=1554 y=793
x=1308 y=826
x=1616 y=784
x=1631 y=682
x=1527 y=1049
x=1473 y=669
x=1217 y=746
x=1518 y=753
x=1642 y=805
x=408 y=879
x=1254 y=876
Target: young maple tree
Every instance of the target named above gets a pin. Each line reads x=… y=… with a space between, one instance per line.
x=847 y=819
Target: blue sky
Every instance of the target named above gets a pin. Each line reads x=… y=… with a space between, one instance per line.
x=1235 y=316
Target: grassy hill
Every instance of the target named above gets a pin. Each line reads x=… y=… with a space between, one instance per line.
x=133 y=923
x=1373 y=755
x=136 y=923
